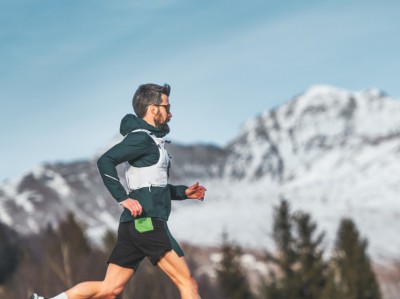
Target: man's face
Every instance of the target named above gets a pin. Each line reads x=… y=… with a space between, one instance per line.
x=163 y=115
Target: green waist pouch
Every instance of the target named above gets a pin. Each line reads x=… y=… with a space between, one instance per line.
x=143 y=225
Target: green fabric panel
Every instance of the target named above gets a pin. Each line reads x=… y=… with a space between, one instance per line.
x=174 y=244
x=143 y=225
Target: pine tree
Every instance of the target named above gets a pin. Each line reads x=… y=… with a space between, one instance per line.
x=8 y=253
x=284 y=240
x=281 y=282
x=54 y=260
x=230 y=274
x=350 y=266
x=64 y=248
x=312 y=270
x=69 y=258
x=299 y=266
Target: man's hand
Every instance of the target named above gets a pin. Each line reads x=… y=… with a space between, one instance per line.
x=195 y=192
x=133 y=206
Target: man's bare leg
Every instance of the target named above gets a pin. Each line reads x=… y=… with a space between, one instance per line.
x=176 y=268
x=113 y=284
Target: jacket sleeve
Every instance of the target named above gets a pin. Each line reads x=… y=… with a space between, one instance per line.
x=177 y=192
x=132 y=147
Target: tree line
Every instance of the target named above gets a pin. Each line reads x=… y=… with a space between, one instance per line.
x=59 y=258
x=298 y=269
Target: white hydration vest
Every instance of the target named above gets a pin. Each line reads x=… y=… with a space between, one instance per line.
x=150 y=176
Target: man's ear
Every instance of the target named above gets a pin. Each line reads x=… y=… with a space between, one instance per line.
x=152 y=109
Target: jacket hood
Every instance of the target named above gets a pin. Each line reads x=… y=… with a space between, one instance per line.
x=131 y=122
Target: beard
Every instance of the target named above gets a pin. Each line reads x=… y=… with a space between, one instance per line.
x=163 y=125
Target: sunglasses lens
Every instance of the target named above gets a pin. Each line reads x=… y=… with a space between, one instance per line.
x=167 y=107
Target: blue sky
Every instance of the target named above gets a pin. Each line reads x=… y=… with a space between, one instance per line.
x=68 y=69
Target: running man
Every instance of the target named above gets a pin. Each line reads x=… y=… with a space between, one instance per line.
x=143 y=230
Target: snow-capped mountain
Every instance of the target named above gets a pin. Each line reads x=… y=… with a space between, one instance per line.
x=331 y=152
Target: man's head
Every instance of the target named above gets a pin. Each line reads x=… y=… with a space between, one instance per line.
x=151 y=103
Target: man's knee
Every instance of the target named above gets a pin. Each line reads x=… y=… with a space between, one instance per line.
x=194 y=284
x=190 y=283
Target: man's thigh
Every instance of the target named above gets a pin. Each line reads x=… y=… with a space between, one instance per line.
x=113 y=284
x=117 y=276
x=175 y=267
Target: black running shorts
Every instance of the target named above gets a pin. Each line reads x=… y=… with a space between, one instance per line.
x=132 y=247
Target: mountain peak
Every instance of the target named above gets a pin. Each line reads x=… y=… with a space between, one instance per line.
x=322 y=119
x=324 y=89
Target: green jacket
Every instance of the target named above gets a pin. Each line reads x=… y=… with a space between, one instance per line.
x=139 y=150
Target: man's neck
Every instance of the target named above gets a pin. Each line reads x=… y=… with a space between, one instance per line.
x=149 y=120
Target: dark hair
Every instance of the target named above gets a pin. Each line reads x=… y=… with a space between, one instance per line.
x=148 y=94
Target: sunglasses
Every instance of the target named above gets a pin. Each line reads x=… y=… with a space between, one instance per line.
x=167 y=107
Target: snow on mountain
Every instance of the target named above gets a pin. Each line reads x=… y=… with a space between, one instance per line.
x=329 y=151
